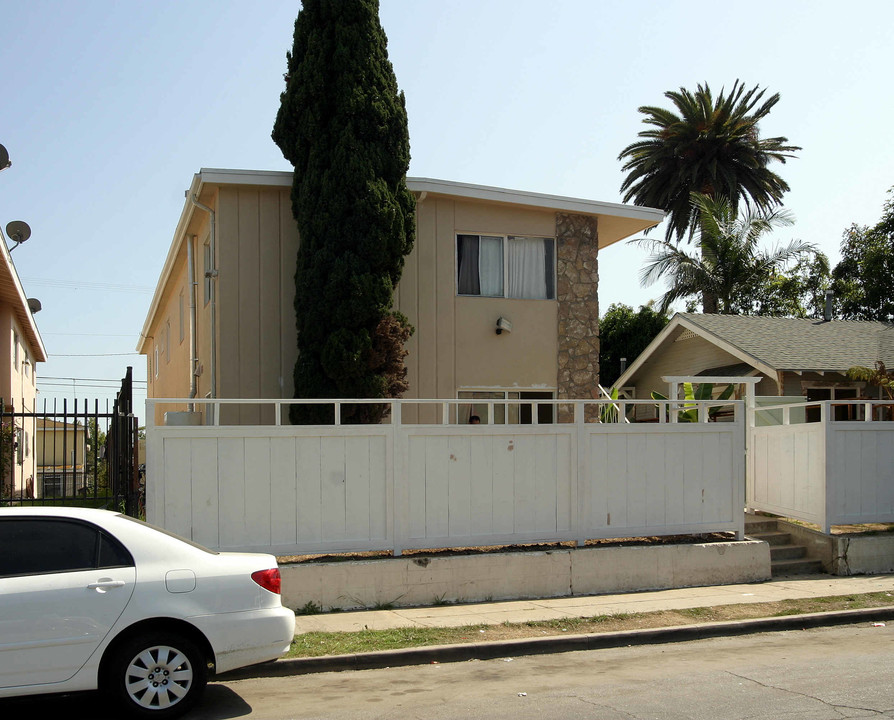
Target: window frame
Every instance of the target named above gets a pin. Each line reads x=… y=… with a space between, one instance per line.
x=506 y=239
x=514 y=403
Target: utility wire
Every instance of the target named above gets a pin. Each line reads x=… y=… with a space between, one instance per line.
x=55 y=355
x=52 y=377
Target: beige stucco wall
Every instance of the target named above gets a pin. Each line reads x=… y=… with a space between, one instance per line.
x=257 y=251
x=60 y=445
x=17 y=381
x=256 y=245
x=18 y=389
x=455 y=345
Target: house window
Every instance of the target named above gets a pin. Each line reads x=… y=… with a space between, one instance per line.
x=839 y=412
x=509 y=406
x=506 y=266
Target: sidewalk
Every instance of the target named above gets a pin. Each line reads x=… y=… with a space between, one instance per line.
x=787 y=588
x=520 y=611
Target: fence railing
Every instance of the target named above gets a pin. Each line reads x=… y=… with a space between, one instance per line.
x=423 y=479
x=827 y=411
x=207 y=411
x=827 y=463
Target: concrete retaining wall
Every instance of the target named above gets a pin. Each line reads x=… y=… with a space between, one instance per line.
x=845 y=554
x=414 y=581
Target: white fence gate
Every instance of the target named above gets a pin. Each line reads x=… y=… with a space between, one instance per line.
x=830 y=472
x=294 y=490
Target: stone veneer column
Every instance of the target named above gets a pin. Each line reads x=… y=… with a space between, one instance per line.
x=577 y=247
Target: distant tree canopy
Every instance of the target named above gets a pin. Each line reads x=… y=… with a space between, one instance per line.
x=624 y=333
x=863 y=282
x=795 y=289
x=730 y=272
x=707 y=145
x=342 y=123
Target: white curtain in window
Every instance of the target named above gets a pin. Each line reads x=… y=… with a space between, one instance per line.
x=490 y=266
x=527 y=259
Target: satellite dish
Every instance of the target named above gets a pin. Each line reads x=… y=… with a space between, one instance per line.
x=4 y=158
x=34 y=305
x=18 y=232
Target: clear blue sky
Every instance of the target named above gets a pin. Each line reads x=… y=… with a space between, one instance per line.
x=108 y=108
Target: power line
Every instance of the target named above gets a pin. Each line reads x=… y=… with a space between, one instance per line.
x=78 y=284
x=52 y=355
x=90 y=334
x=114 y=380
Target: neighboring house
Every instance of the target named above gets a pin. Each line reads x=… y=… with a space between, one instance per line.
x=61 y=452
x=236 y=243
x=793 y=357
x=21 y=348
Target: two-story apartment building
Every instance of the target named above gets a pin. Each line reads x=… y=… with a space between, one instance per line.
x=221 y=322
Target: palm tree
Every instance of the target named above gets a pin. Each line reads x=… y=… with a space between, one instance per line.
x=729 y=261
x=710 y=146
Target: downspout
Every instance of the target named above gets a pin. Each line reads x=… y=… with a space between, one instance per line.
x=191 y=283
x=212 y=275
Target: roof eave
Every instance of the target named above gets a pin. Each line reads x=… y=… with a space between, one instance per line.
x=22 y=310
x=195 y=190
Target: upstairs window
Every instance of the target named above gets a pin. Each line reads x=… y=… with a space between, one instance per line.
x=506 y=266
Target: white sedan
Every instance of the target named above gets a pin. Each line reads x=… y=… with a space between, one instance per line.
x=91 y=599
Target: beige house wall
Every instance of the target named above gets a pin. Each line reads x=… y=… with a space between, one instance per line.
x=18 y=390
x=455 y=346
x=256 y=245
x=688 y=354
x=60 y=445
x=17 y=377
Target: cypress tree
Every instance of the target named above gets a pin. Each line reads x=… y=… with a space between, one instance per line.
x=342 y=123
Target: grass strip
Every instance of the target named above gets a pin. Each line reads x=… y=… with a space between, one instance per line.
x=317 y=644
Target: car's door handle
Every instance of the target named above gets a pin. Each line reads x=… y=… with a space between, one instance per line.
x=103 y=585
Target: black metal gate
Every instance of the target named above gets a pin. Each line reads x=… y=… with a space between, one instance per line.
x=72 y=455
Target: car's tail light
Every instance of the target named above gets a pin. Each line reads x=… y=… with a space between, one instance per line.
x=269 y=580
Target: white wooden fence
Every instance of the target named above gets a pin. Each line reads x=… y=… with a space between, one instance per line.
x=831 y=472
x=319 y=489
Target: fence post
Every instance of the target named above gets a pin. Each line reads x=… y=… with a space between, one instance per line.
x=581 y=478
x=399 y=505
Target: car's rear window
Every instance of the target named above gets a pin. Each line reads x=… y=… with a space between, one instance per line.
x=40 y=545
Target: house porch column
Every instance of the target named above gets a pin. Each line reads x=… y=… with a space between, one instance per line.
x=577 y=247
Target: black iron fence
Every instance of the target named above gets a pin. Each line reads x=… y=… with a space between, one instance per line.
x=72 y=454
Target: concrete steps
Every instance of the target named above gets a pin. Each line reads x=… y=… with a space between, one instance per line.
x=786 y=558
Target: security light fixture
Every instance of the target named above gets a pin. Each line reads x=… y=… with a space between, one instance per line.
x=503 y=325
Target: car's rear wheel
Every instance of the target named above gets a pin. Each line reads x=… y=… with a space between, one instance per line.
x=157 y=675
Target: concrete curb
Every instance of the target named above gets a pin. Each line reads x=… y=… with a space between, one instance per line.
x=556 y=644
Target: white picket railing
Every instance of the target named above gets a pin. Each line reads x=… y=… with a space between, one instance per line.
x=292 y=489
x=827 y=472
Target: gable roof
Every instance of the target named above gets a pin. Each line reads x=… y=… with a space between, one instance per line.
x=773 y=344
x=803 y=343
